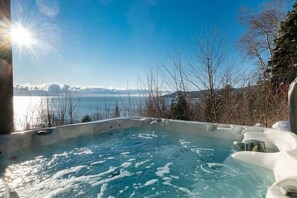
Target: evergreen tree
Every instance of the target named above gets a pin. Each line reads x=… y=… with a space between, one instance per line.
x=180 y=108
x=86 y=118
x=284 y=56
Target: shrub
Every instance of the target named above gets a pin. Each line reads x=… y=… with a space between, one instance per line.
x=86 y=118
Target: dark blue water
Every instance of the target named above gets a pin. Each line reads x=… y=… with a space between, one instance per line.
x=134 y=163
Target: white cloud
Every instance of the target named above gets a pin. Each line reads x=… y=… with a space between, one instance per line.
x=54 y=88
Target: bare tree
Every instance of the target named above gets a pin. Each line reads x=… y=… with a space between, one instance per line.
x=72 y=105
x=257 y=43
x=60 y=106
x=154 y=104
x=173 y=73
x=263 y=25
x=205 y=73
x=49 y=111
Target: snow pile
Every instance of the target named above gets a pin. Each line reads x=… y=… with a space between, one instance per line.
x=259 y=125
x=282 y=125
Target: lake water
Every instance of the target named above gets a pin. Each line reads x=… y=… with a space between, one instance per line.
x=27 y=109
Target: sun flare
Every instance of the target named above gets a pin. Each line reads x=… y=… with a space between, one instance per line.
x=21 y=36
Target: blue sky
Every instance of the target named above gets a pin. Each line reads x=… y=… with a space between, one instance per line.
x=112 y=43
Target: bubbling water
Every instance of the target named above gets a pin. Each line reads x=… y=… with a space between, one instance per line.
x=134 y=163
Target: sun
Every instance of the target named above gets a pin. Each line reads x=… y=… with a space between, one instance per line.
x=21 y=36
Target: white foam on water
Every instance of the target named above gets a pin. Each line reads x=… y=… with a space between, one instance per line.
x=218 y=168
x=211 y=165
x=4 y=191
x=98 y=162
x=147 y=136
x=52 y=162
x=82 y=151
x=174 y=177
x=68 y=171
x=167 y=178
x=54 y=187
x=204 y=151
x=141 y=163
x=59 y=191
x=132 y=195
x=184 y=143
x=163 y=170
x=110 y=158
x=122 y=174
x=138 y=173
x=131 y=160
x=125 y=153
x=205 y=169
x=103 y=188
x=187 y=191
x=126 y=164
x=150 y=182
x=110 y=170
x=126 y=188
x=182 y=189
x=61 y=154
x=223 y=169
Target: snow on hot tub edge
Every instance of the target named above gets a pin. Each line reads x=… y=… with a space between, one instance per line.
x=283 y=163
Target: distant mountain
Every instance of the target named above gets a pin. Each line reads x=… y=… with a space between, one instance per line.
x=197 y=94
x=193 y=94
x=51 y=89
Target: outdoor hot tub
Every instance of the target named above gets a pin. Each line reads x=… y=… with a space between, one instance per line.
x=147 y=157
